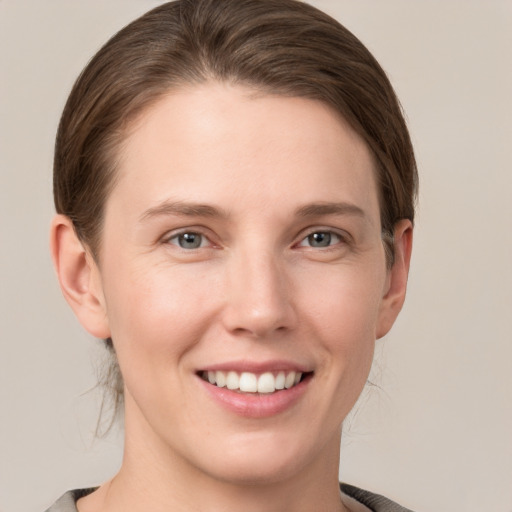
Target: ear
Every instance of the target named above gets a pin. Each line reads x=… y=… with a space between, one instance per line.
x=79 y=277
x=396 y=282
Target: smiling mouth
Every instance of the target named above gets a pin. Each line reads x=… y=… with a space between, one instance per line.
x=247 y=382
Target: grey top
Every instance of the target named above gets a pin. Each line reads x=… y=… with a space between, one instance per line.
x=375 y=502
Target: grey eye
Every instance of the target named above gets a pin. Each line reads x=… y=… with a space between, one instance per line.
x=320 y=239
x=188 y=240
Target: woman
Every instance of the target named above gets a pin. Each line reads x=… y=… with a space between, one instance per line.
x=234 y=185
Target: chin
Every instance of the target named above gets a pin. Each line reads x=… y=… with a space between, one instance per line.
x=256 y=474
x=260 y=461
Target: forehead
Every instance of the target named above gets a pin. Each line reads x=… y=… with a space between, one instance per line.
x=217 y=139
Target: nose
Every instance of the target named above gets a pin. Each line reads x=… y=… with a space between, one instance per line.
x=258 y=296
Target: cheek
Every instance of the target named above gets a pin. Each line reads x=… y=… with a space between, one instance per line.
x=157 y=314
x=345 y=301
x=343 y=314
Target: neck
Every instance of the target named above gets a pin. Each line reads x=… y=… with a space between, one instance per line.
x=206 y=495
x=154 y=477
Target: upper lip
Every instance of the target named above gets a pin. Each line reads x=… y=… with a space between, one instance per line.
x=257 y=367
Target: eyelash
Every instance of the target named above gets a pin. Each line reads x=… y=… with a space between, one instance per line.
x=205 y=242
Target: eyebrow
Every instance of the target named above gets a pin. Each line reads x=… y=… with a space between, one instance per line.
x=319 y=209
x=189 y=209
x=184 y=209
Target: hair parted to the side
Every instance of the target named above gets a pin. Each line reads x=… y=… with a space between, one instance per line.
x=284 y=47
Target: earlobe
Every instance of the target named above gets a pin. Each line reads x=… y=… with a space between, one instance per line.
x=396 y=284
x=79 y=277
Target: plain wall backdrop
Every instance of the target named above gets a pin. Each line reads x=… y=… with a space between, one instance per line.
x=436 y=435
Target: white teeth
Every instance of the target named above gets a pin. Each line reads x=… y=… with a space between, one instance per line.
x=232 y=380
x=280 y=380
x=220 y=378
x=248 y=382
x=289 y=381
x=266 y=383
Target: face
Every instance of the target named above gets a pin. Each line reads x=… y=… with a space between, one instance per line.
x=242 y=277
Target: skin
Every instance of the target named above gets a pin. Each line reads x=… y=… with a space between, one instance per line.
x=256 y=290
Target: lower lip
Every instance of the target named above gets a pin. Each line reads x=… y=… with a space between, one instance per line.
x=252 y=405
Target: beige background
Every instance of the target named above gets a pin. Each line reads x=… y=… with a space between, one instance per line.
x=437 y=435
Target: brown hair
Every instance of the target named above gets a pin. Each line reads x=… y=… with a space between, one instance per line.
x=279 y=46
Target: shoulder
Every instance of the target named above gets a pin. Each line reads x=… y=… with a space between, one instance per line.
x=67 y=502
x=374 y=502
